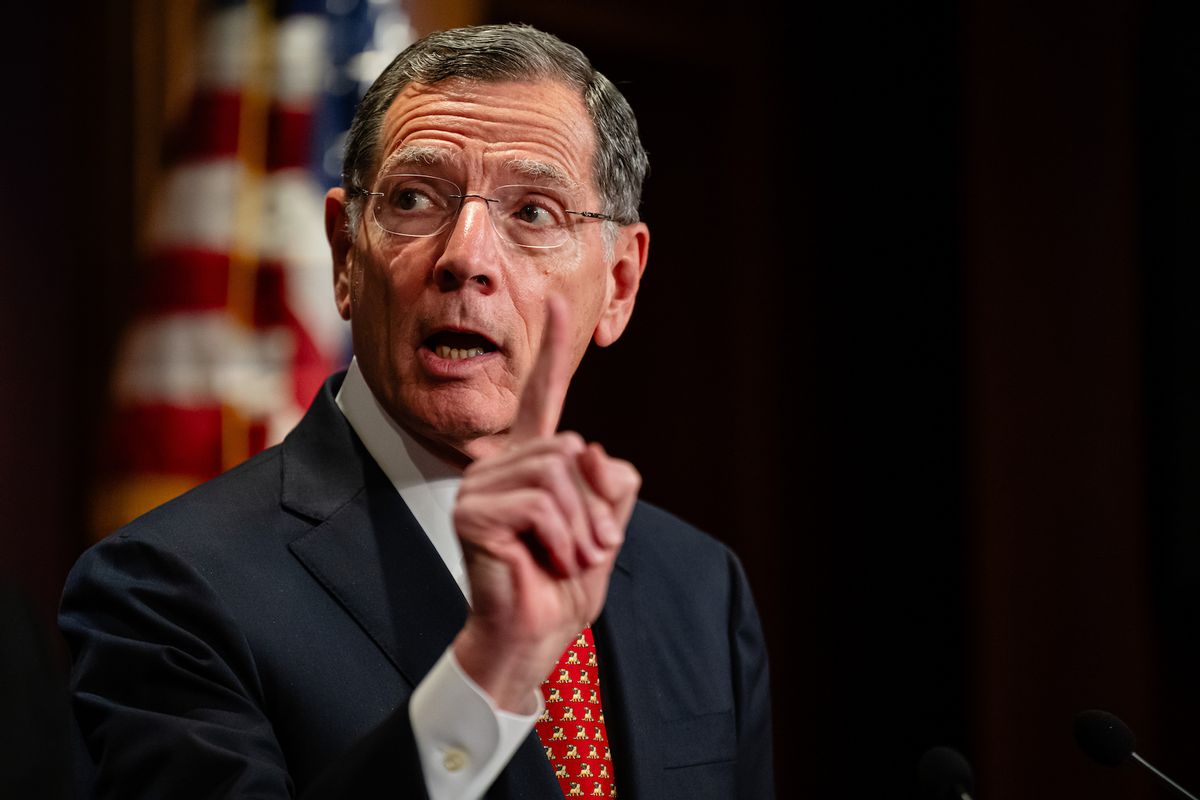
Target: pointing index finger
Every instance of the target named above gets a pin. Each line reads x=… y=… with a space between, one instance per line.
x=546 y=389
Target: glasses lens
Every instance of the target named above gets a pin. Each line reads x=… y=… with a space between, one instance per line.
x=414 y=205
x=531 y=216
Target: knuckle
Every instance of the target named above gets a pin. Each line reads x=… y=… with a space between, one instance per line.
x=463 y=518
x=543 y=507
x=630 y=476
x=479 y=467
x=544 y=463
x=558 y=471
x=571 y=442
x=464 y=505
x=550 y=470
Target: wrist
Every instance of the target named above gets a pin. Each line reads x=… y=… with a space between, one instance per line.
x=510 y=673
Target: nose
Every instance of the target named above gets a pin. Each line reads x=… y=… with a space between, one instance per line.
x=472 y=252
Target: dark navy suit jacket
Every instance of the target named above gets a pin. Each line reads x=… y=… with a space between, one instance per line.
x=260 y=637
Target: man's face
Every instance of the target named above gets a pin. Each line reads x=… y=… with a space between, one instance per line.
x=419 y=305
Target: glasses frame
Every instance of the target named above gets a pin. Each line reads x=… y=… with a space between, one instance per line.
x=461 y=197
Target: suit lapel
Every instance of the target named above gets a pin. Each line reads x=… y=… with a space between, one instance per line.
x=528 y=775
x=366 y=549
x=630 y=707
x=377 y=562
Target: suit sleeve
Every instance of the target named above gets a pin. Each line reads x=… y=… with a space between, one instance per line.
x=167 y=697
x=752 y=691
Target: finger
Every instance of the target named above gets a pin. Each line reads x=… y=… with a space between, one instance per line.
x=544 y=392
x=488 y=521
x=557 y=474
x=495 y=471
x=614 y=480
x=607 y=533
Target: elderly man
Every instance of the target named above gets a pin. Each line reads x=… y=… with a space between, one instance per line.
x=399 y=600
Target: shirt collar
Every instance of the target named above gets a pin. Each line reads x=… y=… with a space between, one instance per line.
x=427 y=484
x=404 y=460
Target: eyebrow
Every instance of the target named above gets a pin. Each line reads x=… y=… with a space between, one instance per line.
x=414 y=156
x=542 y=171
x=425 y=156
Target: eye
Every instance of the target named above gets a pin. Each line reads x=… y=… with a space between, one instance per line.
x=533 y=214
x=531 y=206
x=409 y=198
x=409 y=195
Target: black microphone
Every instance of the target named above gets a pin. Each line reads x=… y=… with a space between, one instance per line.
x=1108 y=741
x=943 y=774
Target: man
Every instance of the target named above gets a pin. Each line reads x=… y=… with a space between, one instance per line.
x=311 y=623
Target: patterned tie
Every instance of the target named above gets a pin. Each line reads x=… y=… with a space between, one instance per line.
x=572 y=726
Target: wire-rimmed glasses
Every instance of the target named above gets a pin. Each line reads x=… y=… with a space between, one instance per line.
x=525 y=215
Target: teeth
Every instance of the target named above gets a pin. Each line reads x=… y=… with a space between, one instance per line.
x=456 y=354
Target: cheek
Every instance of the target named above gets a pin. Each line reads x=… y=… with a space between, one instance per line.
x=576 y=274
x=390 y=283
x=379 y=292
x=582 y=285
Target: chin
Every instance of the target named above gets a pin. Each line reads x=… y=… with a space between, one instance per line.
x=458 y=425
x=464 y=430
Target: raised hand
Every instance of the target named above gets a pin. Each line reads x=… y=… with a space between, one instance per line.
x=541 y=523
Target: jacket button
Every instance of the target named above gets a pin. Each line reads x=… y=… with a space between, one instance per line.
x=454 y=759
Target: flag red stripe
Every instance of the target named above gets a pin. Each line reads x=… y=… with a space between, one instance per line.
x=270 y=295
x=181 y=279
x=210 y=129
x=310 y=368
x=165 y=439
x=289 y=138
x=185 y=279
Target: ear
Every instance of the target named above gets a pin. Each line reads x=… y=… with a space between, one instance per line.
x=337 y=231
x=624 y=277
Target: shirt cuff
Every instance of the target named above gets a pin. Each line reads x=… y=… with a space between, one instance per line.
x=463 y=739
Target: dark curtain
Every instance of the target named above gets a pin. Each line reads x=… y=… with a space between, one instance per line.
x=1169 y=215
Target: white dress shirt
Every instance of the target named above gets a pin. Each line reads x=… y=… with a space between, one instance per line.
x=463 y=738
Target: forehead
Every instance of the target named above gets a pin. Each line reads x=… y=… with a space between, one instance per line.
x=482 y=130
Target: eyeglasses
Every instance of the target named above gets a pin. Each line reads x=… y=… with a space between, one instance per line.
x=422 y=206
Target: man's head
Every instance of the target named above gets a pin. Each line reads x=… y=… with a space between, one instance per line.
x=500 y=53
x=441 y=265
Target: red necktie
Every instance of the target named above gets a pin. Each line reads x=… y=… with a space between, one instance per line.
x=572 y=726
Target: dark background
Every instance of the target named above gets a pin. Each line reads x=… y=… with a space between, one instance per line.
x=916 y=339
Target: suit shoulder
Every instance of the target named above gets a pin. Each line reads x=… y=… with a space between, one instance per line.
x=658 y=535
x=246 y=498
x=651 y=518
x=254 y=482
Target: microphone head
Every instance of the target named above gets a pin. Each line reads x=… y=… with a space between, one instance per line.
x=1103 y=737
x=943 y=774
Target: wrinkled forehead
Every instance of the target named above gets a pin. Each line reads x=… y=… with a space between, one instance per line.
x=517 y=131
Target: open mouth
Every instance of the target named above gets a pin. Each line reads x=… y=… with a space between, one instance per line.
x=459 y=345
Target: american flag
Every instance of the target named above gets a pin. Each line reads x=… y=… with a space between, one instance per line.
x=236 y=327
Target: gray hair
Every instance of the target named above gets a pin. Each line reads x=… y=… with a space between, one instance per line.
x=495 y=53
